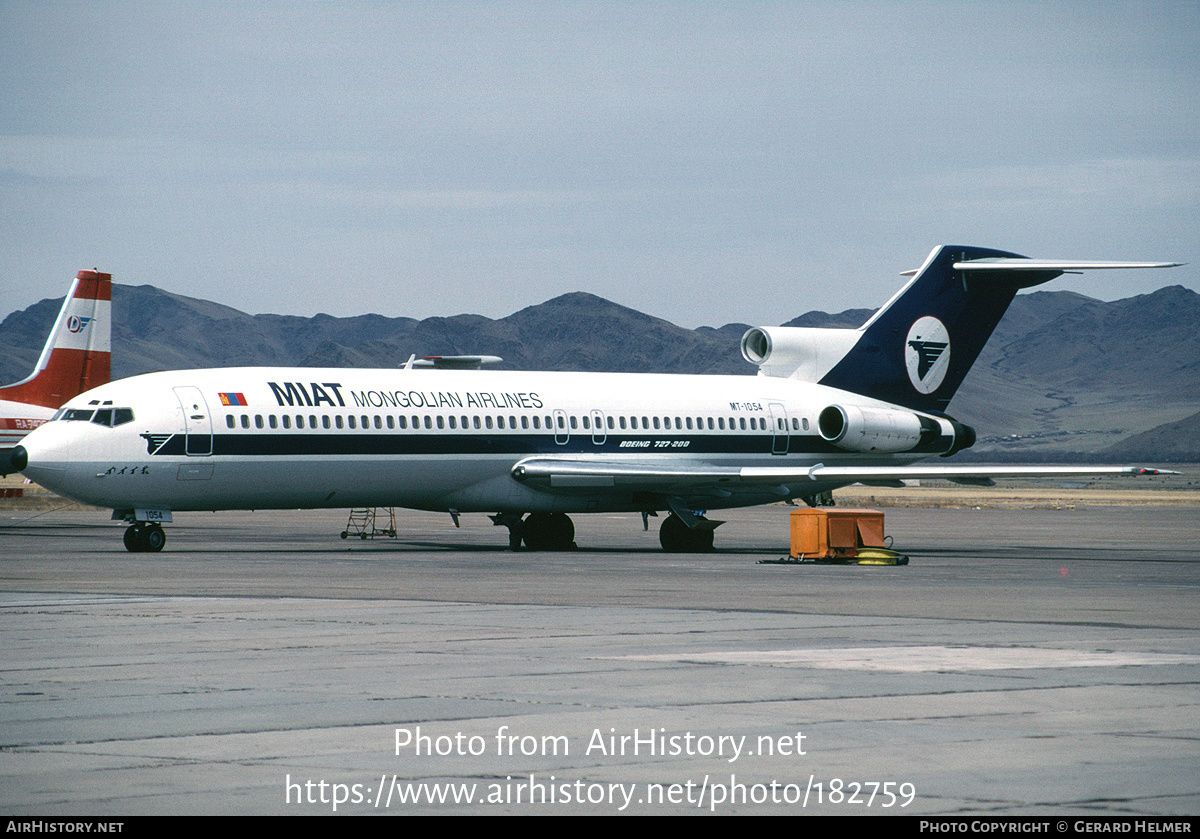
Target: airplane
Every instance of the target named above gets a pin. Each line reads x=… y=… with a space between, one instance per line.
x=77 y=357
x=829 y=407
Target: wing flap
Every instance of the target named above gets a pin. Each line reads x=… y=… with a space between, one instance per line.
x=959 y=474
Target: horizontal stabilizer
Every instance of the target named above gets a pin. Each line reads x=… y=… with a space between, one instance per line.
x=1060 y=265
x=453 y=362
x=1063 y=265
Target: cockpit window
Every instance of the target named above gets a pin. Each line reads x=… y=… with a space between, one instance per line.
x=108 y=417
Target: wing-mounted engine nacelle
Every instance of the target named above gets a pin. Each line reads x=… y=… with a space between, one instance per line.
x=858 y=428
x=796 y=352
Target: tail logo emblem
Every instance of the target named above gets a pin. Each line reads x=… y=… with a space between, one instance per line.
x=77 y=324
x=927 y=354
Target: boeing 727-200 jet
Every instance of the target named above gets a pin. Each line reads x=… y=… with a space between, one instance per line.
x=829 y=407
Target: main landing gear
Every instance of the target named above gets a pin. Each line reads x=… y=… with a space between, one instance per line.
x=538 y=531
x=556 y=532
x=676 y=537
x=145 y=536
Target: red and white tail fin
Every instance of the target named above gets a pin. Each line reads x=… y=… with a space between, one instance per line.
x=78 y=353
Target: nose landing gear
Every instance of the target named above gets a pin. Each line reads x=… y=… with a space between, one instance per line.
x=145 y=536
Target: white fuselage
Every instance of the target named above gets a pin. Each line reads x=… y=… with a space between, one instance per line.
x=426 y=439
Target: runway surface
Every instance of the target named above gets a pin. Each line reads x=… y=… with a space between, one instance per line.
x=1026 y=661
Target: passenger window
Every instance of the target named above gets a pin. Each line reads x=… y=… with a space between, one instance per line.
x=272 y=421
x=287 y=421
x=325 y=421
x=338 y=421
x=230 y=422
x=378 y=422
x=352 y=421
x=258 y=421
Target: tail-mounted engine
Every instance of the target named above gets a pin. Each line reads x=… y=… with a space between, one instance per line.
x=857 y=428
x=796 y=352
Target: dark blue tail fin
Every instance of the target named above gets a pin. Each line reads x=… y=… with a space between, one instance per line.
x=918 y=348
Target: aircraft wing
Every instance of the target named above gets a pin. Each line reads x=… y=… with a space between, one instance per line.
x=677 y=476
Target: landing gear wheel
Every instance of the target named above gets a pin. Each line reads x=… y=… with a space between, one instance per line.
x=142 y=536
x=153 y=538
x=677 y=537
x=548 y=532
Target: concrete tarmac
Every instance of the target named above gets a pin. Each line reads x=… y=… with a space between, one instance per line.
x=1026 y=662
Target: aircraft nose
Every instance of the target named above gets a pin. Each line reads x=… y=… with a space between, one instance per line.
x=18 y=459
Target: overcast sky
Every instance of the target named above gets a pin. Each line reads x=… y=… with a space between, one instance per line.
x=703 y=162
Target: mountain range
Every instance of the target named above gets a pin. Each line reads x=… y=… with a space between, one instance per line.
x=1064 y=375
